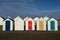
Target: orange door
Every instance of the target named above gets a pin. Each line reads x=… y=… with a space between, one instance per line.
x=41 y=25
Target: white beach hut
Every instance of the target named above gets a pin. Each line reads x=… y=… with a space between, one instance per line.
x=25 y=22
x=1 y=23
x=8 y=24
x=46 y=19
x=30 y=24
x=36 y=19
x=41 y=25
x=52 y=25
x=19 y=24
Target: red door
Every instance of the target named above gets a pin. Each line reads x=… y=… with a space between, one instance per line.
x=29 y=25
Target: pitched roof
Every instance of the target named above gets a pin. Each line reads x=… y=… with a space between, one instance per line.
x=52 y=18
x=29 y=18
x=26 y=18
x=9 y=18
x=36 y=18
x=18 y=17
x=46 y=18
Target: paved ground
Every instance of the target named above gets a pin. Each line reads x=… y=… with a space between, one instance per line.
x=29 y=35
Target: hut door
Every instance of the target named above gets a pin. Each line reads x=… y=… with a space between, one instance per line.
x=52 y=24
x=7 y=25
x=41 y=25
x=29 y=25
x=1 y=27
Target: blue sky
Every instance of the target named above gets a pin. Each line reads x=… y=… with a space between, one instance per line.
x=31 y=8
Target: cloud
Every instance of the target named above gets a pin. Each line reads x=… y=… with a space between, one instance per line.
x=12 y=8
x=52 y=13
x=24 y=8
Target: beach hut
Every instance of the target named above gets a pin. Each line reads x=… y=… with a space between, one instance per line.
x=52 y=25
x=19 y=24
x=1 y=23
x=46 y=19
x=25 y=22
x=41 y=25
x=36 y=19
x=8 y=24
x=30 y=24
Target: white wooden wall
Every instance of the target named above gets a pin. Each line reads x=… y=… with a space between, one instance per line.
x=19 y=25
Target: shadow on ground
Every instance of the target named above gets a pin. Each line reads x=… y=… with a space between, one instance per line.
x=29 y=35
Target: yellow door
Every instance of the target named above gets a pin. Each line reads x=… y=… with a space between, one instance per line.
x=41 y=25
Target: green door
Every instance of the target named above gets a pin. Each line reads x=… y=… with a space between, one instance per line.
x=52 y=25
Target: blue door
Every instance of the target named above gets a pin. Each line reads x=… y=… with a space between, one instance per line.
x=52 y=24
x=7 y=25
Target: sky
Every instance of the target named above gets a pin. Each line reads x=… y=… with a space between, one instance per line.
x=30 y=8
